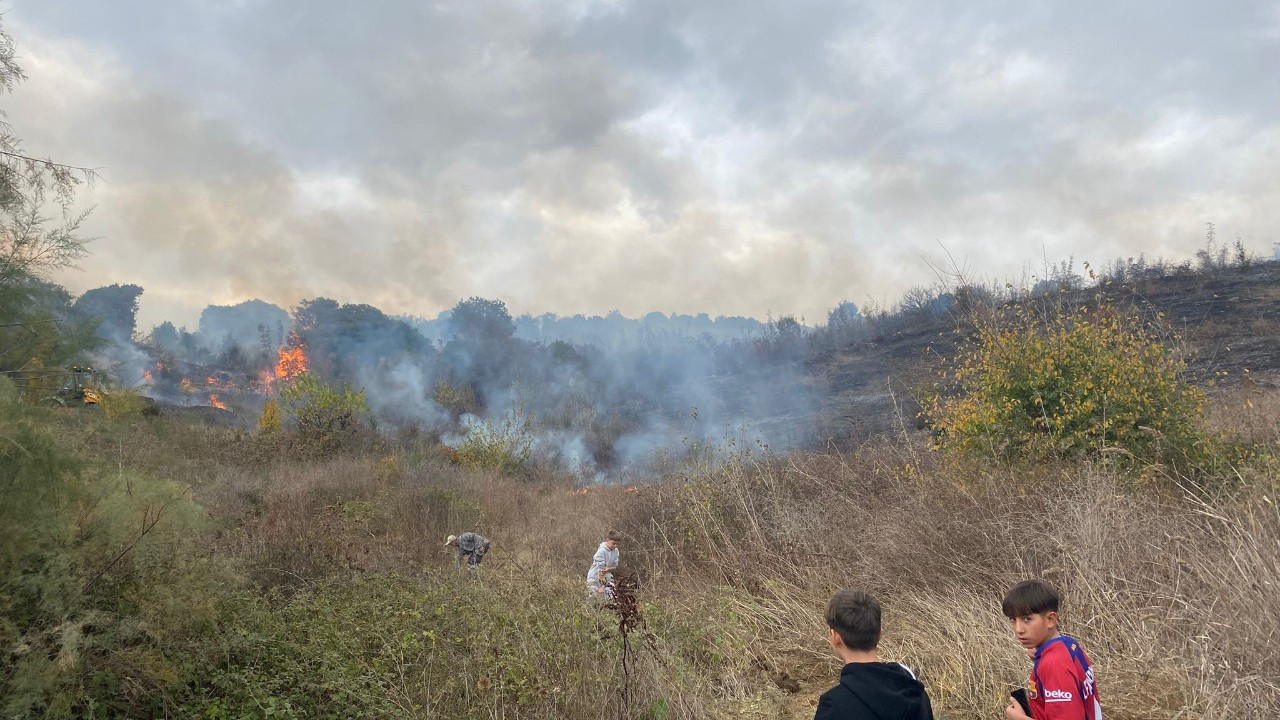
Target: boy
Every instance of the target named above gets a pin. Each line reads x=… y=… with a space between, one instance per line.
x=868 y=689
x=1061 y=685
x=603 y=564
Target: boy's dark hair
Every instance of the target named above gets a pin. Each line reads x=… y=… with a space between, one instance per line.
x=614 y=535
x=855 y=616
x=1030 y=597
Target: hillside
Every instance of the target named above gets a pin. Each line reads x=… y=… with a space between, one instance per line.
x=1229 y=320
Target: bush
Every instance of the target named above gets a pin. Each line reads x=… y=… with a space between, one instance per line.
x=123 y=404
x=323 y=415
x=456 y=397
x=504 y=447
x=99 y=575
x=269 y=421
x=1054 y=380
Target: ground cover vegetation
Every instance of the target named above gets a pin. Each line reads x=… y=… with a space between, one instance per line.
x=268 y=582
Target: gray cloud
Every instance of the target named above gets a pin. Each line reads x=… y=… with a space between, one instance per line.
x=716 y=156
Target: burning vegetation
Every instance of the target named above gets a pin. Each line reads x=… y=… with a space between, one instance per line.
x=170 y=380
x=293 y=360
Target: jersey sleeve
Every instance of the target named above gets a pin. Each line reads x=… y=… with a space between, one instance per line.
x=1060 y=691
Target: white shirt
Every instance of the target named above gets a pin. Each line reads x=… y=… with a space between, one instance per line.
x=604 y=558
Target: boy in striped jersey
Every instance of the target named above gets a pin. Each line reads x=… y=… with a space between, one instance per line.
x=1061 y=685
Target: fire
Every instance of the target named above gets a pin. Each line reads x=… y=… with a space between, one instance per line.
x=146 y=375
x=212 y=380
x=579 y=491
x=293 y=361
x=265 y=380
x=187 y=386
x=215 y=402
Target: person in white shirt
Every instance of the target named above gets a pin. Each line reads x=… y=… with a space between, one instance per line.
x=605 y=561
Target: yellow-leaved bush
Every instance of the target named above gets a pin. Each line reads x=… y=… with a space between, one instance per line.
x=1050 y=379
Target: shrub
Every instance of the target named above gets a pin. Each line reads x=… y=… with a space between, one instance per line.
x=504 y=446
x=120 y=404
x=1052 y=380
x=456 y=397
x=322 y=414
x=99 y=576
x=269 y=420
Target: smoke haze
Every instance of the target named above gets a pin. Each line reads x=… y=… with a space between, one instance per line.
x=729 y=158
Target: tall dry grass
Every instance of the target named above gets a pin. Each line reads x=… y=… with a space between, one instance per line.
x=1171 y=586
x=312 y=529
x=1172 y=589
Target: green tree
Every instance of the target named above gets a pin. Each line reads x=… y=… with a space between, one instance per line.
x=484 y=353
x=33 y=310
x=165 y=336
x=29 y=248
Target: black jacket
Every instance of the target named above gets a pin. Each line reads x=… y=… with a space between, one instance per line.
x=875 y=691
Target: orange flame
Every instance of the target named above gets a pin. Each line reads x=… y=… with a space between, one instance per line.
x=146 y=375
x=265 y=380
x=292 y=363
x=213 y=400
x=187 y=385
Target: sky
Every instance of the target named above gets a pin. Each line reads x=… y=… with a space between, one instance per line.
x=733 y=157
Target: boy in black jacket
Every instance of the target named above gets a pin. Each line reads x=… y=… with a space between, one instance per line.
x=868 y=689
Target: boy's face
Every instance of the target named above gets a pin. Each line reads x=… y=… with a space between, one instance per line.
x=611 y=544
x=1034 y=629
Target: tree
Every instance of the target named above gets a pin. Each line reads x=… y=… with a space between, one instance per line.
x=483 y=354
x=165 y=336
x=115 y=305
x=844 y=315
x=345 y=342
x=481 y=321
x=31 y=308
x=29 y=250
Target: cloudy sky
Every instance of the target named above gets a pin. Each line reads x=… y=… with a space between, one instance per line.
x=726 y=156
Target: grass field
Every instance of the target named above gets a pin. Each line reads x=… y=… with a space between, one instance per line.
x=321 y=588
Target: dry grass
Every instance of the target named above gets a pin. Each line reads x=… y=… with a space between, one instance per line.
x=1248 y=412
x=1171 y=588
